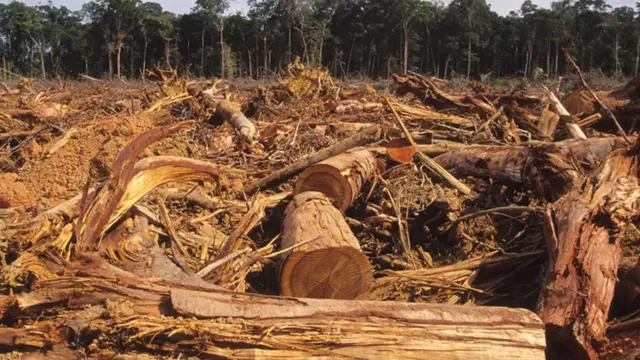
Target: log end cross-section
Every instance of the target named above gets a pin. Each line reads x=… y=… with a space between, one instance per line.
x=327 y=261
x=340 y=178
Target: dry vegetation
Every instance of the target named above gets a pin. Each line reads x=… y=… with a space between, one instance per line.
x=144 y=220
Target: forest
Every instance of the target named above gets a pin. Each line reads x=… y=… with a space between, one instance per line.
x=351 y=38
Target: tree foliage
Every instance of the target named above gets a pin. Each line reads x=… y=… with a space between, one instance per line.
x=370 y=38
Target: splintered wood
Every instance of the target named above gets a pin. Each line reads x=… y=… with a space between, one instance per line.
x=312 y=218
x=327 y=262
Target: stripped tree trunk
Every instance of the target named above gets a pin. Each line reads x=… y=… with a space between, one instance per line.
x=583 y=234
x=327 y=262
x=339 y=178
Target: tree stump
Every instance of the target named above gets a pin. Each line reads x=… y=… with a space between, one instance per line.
x=340 y=178
x=328 y=262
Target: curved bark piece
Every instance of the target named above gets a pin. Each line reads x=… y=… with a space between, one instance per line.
x=244 y=127
x=340 y=178
x=583 y=234
x=93 y=223
x=547 y=168
x=327 y=262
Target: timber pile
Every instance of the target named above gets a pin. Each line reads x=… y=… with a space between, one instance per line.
x=315 y=219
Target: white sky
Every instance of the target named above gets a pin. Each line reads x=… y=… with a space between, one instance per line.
x=502 y=7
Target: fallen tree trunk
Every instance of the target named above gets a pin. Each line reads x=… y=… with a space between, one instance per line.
x=244 y=127
x=340 y=178
x=364 y=137
x=113 y=304
x=583 y=234
x=327 y=261
x=547 y=167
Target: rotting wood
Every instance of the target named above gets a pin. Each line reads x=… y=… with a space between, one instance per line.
x=331 y=266
x=582 y=231
x=365 y=137
x=243 y=126
x=340 y=178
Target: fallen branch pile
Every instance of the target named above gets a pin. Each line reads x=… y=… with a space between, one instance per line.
x=315 y=219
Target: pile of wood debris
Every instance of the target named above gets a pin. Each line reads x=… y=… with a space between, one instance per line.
x=316 y=219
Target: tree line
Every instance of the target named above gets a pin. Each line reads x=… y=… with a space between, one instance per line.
x=367 y=38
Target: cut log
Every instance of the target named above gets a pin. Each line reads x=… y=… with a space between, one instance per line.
x=245 y=128
x=340 y=178
x=364 y=137
x=327 y=262
x=236 y=325
x=379 y=330
x=547 y=168
x=583 y=231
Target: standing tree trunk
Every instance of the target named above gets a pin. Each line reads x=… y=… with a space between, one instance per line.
x=327 y=262
x=119 y=55
x=637 y=55
x=548 y=56
x=202 y=52
x=167 y=52
x=144 y=57
x=405 y=56
x=616 y=55
x=353 y=42
x=558 y=55
x=222 y=56
x=110 y=55
x=469 y=59
x=250 y=64
x=266 y=51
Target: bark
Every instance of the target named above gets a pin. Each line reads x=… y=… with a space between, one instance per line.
x=213 y=319
x=583 y=232
x=327 y=261
x=340 y=178
x=243 y=126
x=547 y=168
x=364 y=137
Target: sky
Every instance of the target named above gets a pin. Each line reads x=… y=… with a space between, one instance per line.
x=502 y=7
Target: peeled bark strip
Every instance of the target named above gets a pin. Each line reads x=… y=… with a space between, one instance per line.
x=327 y=262
x=583 y=233
x=244 y=127
x=547 y=168
x=340 y=178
